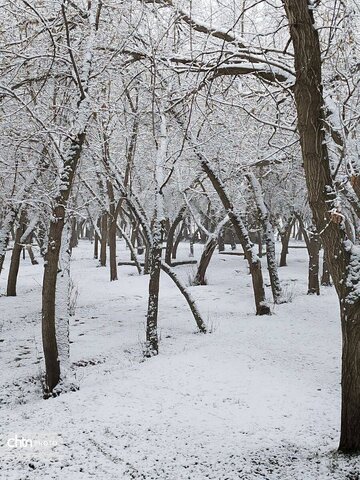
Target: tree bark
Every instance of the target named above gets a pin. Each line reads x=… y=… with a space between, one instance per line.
x=206 y=255
x=103 y=241
x=171 y=234
x=341 y=256
x=285 y=238
x=261 y=305
x=198 y=319
x=325 y=276
x=15 y=258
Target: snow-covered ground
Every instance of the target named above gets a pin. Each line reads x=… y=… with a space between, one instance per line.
x=258 y=398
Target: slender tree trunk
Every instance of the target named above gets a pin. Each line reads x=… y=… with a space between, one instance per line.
x=112 y=232
x=198 y=318
x=285 y=238
x=104 y=237
x=15 y=258
x=314 y=250
x=31 y=255
x=5 y=233
x=207 y=253
x=262 y=308
x=152 y=342
x=96 y=244
x=177 y=241
x=221 y=242
x=325 y=276
x=171 y=234
x=268 y=233
x=62 y=304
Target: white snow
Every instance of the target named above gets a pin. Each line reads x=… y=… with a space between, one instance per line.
x=258 y=398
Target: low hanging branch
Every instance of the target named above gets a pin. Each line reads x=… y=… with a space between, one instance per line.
x=190 y=301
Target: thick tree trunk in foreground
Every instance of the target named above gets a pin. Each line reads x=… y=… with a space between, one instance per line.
x=342 y=257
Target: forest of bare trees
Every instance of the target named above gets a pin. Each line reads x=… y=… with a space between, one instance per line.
x=156 y=127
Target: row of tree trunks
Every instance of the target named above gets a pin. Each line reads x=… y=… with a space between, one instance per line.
x=262 y=308
x=268 y=234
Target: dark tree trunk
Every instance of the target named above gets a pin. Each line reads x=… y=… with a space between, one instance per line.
x=48 y=299
x=96 y=242
x=314 y=250
x=152 y=344
x=204 y=262
x=285 y=238
x=112 y=232
x=15 y=258
x=177 y=241
x=74 y=233
x=31 y=255
x=199 y=321
x=325 y=276
x=221 y=242
x=104 y=237
x=342 y=261
x=171 y=234
x=254 y=262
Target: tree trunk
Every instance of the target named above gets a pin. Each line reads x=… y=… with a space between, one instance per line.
x=285 y=238
x=171 y=234
x=325 y=276
x=199 y=321
x=207 y=253
x=152 y=345
x=314 y=250
x=112 y=232
x=103 y=241
x=261 y=305
x=341 y=256
x=15 y=258
x=177 y=241
x=31 y=255
x=62 y=305
x=268 y=233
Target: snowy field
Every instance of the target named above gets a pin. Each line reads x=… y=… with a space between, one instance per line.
x=258 y=398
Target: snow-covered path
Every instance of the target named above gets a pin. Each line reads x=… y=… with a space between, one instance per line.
x=256 y=398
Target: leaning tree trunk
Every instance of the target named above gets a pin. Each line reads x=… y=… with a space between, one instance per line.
x=190 y=301
x=207 y=253
x=262 y=308
x=171 y=234
x=342 y=257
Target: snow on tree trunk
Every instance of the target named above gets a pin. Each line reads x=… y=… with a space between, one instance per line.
x=152 y=345
x=268 y=233
x=342 y=257
x=185 y=292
